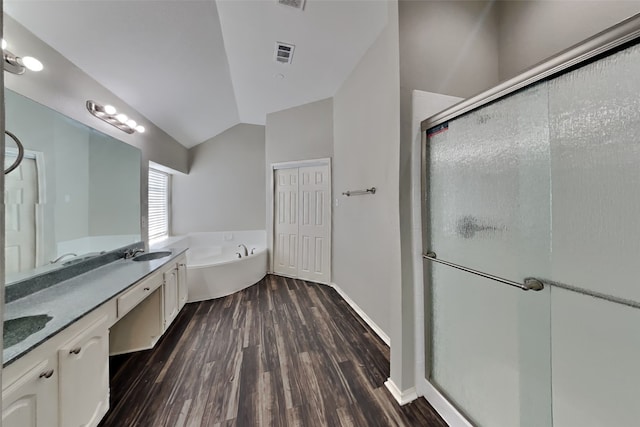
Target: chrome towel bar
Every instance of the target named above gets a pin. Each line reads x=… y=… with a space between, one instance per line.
x=371 y=190
x=530 y=284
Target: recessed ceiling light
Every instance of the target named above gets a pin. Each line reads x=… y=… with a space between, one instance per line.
x=122 y=118
x=110 y=109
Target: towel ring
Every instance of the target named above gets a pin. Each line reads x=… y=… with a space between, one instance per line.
x=20 y=153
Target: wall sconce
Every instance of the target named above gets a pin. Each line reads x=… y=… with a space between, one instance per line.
x=18 y=65
x=109 y=114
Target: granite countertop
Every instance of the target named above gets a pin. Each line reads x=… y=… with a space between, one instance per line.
x=72 y=299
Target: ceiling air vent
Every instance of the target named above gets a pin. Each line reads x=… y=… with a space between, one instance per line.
x=298 y=4
x=284 y=52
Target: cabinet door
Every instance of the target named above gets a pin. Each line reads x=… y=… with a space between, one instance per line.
x=170 y=296
x=32 y=400
x=84 y=377
x=182 y=283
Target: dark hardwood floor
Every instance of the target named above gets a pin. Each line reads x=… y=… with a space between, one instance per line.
x=283 y=352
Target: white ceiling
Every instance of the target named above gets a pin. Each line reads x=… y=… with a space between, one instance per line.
x=196 y=68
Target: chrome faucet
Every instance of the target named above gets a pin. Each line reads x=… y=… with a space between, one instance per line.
x=246 y=251
x=130 y=253
x=62 y=256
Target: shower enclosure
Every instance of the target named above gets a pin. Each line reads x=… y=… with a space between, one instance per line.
x=539 y=178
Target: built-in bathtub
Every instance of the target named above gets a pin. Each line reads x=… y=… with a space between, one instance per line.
x=214 y=269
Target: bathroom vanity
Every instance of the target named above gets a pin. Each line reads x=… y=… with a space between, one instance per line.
x=76 y=197
x=58 y=376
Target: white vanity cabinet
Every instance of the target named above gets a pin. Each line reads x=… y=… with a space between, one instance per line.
x=182 y=282
x=175 y=290
x=170 y=296
x=31 y=400
x=84 y=376
x=64 y=381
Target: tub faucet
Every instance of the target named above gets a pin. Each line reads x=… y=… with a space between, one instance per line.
x=246 y=251
x=62 y=256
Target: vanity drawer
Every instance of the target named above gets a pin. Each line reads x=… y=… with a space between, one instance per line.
x=137 y=293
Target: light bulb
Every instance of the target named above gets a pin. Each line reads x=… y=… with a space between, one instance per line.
x=4 y=44
x=122 y=118
x=110 y=109
x=132 y=123
x=140 y=128
x=32 y=63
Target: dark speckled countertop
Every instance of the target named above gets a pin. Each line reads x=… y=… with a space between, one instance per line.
x=72 y=299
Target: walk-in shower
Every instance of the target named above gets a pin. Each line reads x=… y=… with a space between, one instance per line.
x=534 y=184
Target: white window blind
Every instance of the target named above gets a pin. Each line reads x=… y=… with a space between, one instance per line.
x=158 y=204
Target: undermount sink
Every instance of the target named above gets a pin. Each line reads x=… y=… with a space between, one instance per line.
x=152 y=255
x=16 y=330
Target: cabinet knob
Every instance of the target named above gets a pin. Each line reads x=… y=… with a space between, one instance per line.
x=47 y=374
x=146 y=289
x=76 y=350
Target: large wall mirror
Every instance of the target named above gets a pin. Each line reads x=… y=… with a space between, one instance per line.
x=75 y=194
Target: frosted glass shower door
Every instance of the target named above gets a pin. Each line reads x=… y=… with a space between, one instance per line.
x=595 y=157
x=489 y=209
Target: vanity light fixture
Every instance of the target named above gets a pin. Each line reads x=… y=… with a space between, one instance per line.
x=109 y=114
x=122 y=118
x=18 y=65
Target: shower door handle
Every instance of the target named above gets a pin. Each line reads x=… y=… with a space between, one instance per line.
x=530 y=284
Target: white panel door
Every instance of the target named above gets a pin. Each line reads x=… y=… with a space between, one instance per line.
x=314 y=227
x=20 y=195
x=285 y=259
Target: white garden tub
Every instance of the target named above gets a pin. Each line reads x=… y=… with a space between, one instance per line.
x=214 y=269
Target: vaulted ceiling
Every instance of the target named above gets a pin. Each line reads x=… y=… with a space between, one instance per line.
x=197 y=67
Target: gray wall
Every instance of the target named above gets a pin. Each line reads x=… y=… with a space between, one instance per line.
x=304 y=132
x=449 y=48
x=531 y=31
x=366 y=240
x=65 y=88
x=300 y=133
x=225 y=188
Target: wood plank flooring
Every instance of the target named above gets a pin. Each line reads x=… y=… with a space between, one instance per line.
x=283 y=352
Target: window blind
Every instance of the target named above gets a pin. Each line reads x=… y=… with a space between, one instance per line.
x=158 y=204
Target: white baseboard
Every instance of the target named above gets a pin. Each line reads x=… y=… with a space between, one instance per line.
x=384 y=337
x=402 y=397
x=447 y=411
